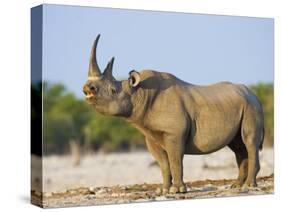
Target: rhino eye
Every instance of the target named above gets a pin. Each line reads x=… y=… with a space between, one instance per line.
x=113 y=90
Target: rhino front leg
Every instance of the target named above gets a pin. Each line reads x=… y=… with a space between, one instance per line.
x=162 y=159
x=175 y=150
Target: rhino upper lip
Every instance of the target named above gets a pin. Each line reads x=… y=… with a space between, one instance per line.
x=90 y=98
x=89 y=95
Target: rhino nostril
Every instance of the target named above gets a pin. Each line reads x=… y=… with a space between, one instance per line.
x=93 y=88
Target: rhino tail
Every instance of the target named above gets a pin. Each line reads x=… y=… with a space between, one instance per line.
x=262 y=139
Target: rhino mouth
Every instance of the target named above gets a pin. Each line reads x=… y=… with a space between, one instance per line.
x=90 y=98
x=89 y=95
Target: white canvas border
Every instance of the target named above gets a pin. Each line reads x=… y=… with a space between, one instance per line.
x=15 y=100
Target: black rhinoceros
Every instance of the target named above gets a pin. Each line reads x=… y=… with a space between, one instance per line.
x=180 y=118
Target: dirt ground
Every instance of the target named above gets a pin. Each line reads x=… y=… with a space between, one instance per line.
x=146 y=193
x=133 y=177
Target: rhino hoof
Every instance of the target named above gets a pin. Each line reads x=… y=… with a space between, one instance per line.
x=236 y=185
x=182 y=189
x=174 y=189
x=163 y=191
x=158 y=191
x=249 y=186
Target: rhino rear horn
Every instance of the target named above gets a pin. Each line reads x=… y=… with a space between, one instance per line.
x=94 y=70
x=108 y=70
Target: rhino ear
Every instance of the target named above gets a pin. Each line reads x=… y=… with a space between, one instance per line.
x=134 y=79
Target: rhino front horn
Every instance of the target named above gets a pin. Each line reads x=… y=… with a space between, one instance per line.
x=94 y=70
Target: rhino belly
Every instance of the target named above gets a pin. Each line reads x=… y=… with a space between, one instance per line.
x=209 y=135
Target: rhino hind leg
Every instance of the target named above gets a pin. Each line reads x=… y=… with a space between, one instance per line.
x=252 y=136
x=241 y=155
x=253 y=166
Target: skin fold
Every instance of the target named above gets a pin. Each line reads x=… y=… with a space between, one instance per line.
x=180 y=118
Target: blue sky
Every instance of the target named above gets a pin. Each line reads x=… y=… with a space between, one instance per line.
x=200 y=49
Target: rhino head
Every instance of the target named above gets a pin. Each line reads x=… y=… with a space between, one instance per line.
x=106 y=94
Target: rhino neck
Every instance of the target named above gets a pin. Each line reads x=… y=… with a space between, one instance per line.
x=142 y=99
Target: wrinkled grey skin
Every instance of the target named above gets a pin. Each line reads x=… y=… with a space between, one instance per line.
x=179 y=118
